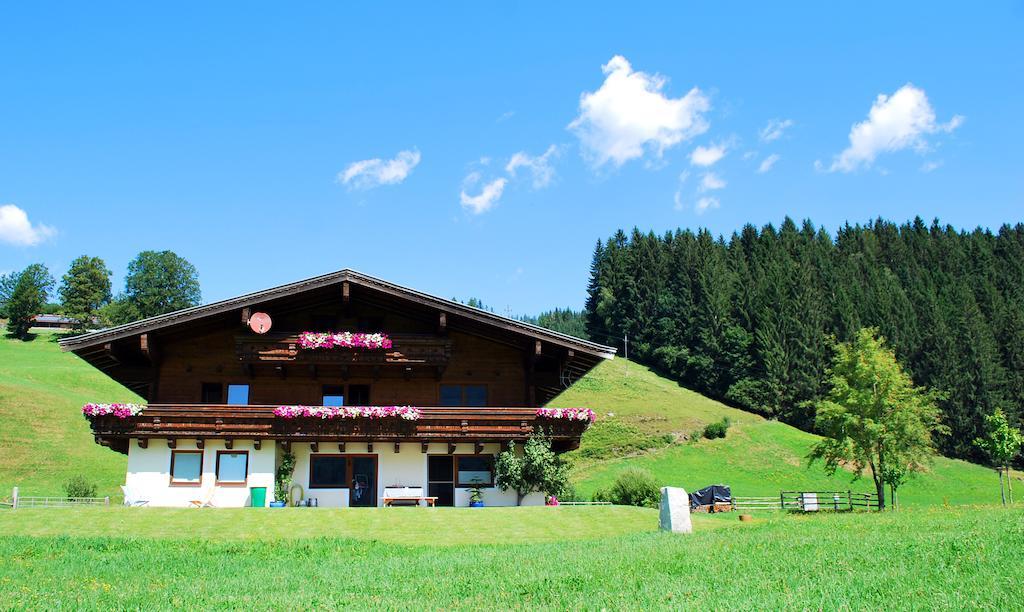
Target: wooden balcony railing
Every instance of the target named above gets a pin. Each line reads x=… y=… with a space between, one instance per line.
x=406 y=349
x=257 y=422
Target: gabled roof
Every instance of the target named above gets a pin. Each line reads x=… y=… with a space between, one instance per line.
x=334 y=278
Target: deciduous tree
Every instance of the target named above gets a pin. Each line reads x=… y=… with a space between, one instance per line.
x=27 y=299
x=84 y=290
x=1001 y=444
x=536 y=469
x=874 y=419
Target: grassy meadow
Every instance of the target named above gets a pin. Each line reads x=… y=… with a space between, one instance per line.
x=927 y=555
x=927 y=558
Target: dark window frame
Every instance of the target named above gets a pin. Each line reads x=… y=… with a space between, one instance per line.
x=462 y=393
x=348 y=468
x=187 y=483
x=455 y=471
x=232 y=483
x=204 y=386
x=482 y=485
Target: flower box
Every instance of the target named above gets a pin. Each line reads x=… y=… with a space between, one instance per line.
x=407 y=413
x=329 y=340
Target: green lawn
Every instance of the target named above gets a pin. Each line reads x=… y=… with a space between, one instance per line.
x=933 y=558
x=434 y=526
x=645 y=420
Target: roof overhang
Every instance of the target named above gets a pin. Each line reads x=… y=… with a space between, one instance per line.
x=197 y=313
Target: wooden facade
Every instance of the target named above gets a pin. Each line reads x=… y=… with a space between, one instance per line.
x=183 y=364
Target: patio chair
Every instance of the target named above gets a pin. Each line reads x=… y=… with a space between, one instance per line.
x=131 y=497
x=206 y=502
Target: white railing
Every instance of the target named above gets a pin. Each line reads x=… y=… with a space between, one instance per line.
x=584 y=503
x=25 y=501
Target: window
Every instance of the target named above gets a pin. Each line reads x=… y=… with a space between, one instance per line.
x=238 y=395
x=463 y=395
x=359 y=395
x=232 y=467
x=212 y=393
x=333 y=395
x=474 y=470
x=327 y=472
x=186 y=467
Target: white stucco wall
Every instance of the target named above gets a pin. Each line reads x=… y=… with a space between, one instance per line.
x=149 y=474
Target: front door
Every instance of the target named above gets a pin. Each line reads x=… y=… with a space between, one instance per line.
x=362 y=490
x=440 y=479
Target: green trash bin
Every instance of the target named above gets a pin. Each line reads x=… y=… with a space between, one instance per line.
x=259 y=496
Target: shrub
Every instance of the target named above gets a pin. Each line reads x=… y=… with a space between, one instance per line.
x=696 y=435
x=717 y=429
x=633 y=487
x=78 y=486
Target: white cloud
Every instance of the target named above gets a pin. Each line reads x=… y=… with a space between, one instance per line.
x=767 y=163
x=711 y=182
x=629 y=115
x=708 y=156
x=486 y=199
x=895 y=122
x=677 y=199
x=540 y=167
x=749 y=155
x=930 y=166
x=705 y=204
x=16 y=229
x=774 y=129
x=370 y=173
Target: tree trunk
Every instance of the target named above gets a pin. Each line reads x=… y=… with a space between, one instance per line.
x=1002 y=492
x=876 y=475
x=519 y=497
x=892 y=497
x=1009 y=484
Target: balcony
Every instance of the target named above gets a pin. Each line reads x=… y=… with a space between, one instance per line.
x=406 y=349
x=252 y=422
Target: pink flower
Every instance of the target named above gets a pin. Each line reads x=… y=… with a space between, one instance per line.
x=326 y=340
x=569 y=414
x=121 y=411
x=407 y=413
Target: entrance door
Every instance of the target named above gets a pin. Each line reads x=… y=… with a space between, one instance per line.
x=441 y=479
x=362 y=490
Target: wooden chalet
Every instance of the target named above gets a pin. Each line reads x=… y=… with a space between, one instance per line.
x=215 y=377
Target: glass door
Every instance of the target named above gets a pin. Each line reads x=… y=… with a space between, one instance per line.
x=441 y=479
x=362 y=490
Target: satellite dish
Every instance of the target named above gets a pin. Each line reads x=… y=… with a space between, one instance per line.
x=260 y=322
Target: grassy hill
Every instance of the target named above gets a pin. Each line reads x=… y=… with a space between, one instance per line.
x=44 y=440
x=644 y=420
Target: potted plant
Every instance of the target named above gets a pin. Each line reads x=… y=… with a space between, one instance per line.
x=283 y=480
x=476 y=496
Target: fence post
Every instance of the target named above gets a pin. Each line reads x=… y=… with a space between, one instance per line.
x=782 y=500
x=14 y=502
x=849 y=498
x=106 y=500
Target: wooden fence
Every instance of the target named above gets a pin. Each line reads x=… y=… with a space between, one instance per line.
x=23 y=501
x=810 y=501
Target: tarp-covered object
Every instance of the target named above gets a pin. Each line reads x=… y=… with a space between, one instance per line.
x=709 y=496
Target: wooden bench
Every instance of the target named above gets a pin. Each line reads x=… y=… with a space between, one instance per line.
x=405 y=495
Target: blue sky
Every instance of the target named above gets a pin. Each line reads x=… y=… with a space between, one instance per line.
x=226 y=132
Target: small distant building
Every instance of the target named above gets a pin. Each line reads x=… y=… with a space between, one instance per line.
x=52 y=321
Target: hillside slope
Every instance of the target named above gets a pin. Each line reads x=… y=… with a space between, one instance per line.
x=44 y=440
x=645 y=420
